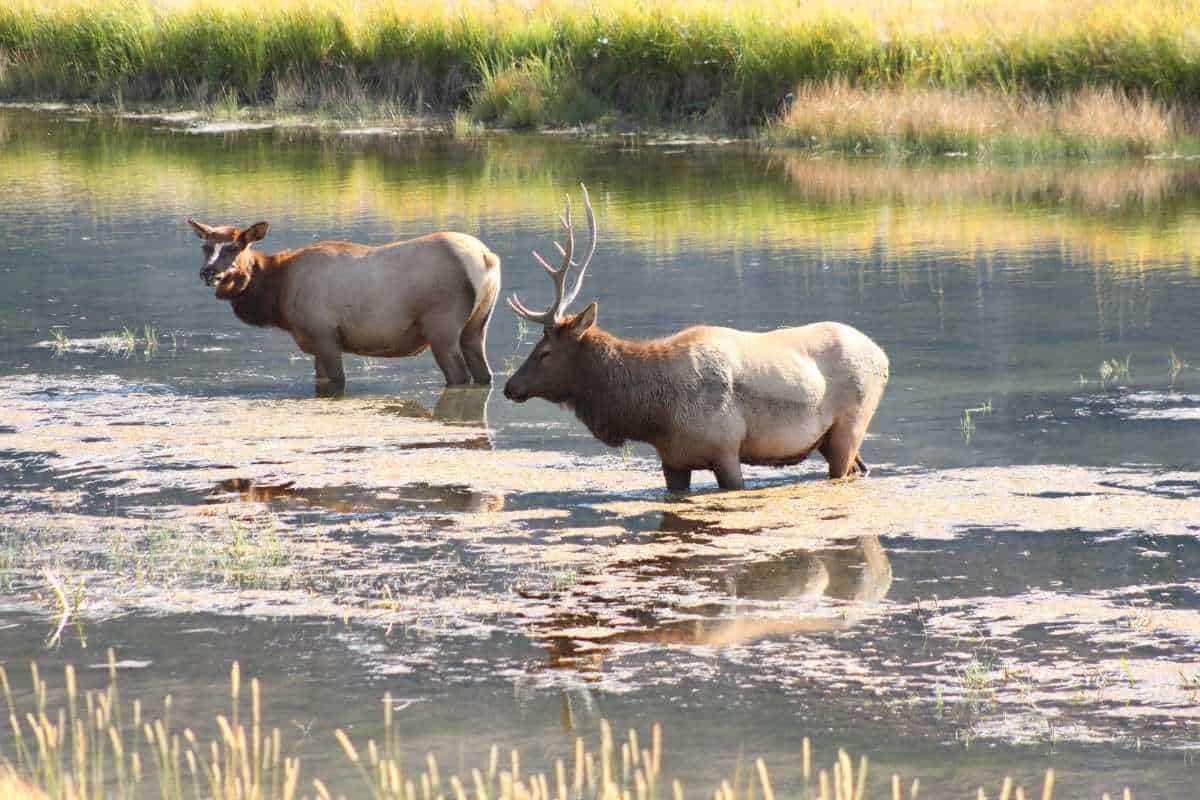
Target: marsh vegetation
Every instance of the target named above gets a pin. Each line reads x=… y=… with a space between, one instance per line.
x=96 y=747
x=989 y=78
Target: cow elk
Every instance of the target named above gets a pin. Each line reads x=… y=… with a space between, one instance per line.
x=393 y=300
x=707 y=398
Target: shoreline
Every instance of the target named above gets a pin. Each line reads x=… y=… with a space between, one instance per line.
x=993 y=80
x=777 y=136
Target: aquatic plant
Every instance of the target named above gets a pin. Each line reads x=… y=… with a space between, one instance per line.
x=68 y=600
x=1175 y=365
x=62 y=343
x=1114 y=371
x=966 y=423
x=464 y=127
x=149 y=341
x=96 y=746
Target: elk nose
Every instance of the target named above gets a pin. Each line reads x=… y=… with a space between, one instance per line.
x=513 y=394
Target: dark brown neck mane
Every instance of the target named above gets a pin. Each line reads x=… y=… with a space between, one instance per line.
x=625 y=390
x=260 y=302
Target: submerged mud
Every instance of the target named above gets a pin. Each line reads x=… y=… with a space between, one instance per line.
x=1038 y=603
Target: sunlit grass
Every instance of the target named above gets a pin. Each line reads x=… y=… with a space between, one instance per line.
x=1090 y=122
x=60 y=341
x=1175 y=365
x=127 y=342
x=98 y=745
x=558 y=61
x=967 y=421
x=1114 y=371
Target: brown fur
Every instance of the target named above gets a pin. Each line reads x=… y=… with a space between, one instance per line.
x=395 y=300
x=714 y=398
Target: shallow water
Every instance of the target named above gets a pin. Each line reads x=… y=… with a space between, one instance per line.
x=1015 y=588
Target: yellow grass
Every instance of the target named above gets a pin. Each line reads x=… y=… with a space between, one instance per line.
x=531 y=62
x=930 y=120
x=13 y=788
x=75 y=752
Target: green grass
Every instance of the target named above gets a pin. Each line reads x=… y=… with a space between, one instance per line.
x=967 y=421
x=566 y=61
x=124 y=343
x=62 y=342
x=1114 y=371
x=97 y=741
x=1175 y=365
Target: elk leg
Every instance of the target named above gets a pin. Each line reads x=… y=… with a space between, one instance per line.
x=861 y=465
x=840 y=448
x=331 y=377
x=729 y=473
x=474 y=348
x=678 y=480
x=450 y=361
x=477 y=362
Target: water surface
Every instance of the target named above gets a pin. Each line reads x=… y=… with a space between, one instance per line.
x=1014 y=589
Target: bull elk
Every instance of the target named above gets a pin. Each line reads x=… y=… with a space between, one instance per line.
x=393 y=300
x=706 y=398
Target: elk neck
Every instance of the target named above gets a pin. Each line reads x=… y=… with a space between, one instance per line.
x=261 y=301
x=624 y=388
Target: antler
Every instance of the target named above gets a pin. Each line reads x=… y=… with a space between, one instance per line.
x=562 y=298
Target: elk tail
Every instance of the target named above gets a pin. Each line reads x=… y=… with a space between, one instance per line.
x=486 y=293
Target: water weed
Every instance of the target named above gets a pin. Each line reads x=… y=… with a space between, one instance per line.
x=966 y=423
x=1114 y=371
x=127 y=342
x=61 y=343
x=1175 y=365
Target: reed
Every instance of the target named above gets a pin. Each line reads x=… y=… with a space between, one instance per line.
x=98 y=747
x=537 y=62
x=1086 y=123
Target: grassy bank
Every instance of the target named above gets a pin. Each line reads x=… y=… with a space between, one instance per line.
x=557 y=62
x=95 y=747
x=1084 y=123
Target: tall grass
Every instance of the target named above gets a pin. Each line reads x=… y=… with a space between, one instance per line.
x=650 y=60
x=1089 y=122
x=95 y=747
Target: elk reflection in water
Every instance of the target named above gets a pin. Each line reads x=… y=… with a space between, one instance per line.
x=801 y=591
x=417 y=497
x=456 y=405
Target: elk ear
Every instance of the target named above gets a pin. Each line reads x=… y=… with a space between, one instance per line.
x=584 y=319
x=253 y=234
x=200 y=228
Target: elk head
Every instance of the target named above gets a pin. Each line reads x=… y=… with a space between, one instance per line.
x=222 y=246
x=549 y=370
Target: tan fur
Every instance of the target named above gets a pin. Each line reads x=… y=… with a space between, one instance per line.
x=715 y=398
x=394 y=300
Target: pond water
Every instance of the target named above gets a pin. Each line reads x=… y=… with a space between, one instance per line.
x=1016 y=587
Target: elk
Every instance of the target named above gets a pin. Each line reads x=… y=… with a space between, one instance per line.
x=437 y=291
x=706 y=398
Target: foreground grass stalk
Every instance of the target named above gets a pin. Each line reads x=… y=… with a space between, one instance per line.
x=65 y=755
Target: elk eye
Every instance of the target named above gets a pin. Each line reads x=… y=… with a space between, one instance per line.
x=544 y=355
